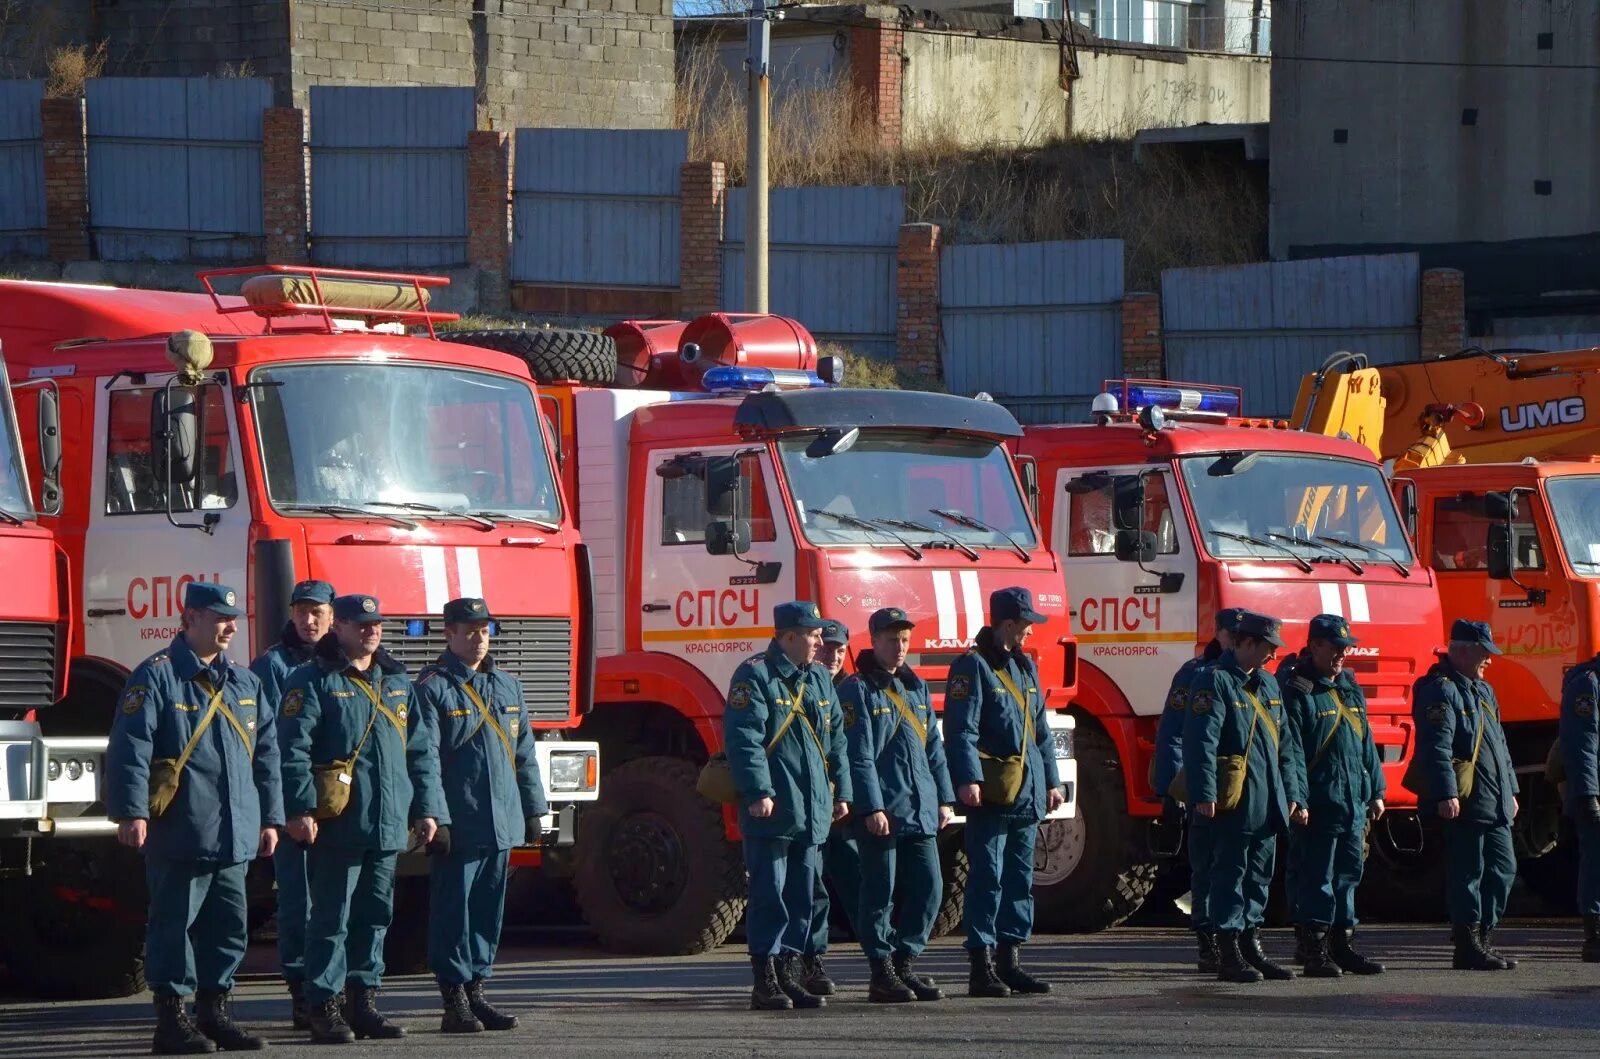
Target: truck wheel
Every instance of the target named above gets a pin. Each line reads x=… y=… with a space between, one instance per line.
x=953 y=861
x=75 y=928
x=1553 y=878
x=1094 y=870
x=1399 y=886
x=405 y=946
x=551 y=355
x=657 y=875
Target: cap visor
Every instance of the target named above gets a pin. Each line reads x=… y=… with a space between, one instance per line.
x=1272 y=638
x=370 y=619
x=225 y=610
x=1032 y=617
x=1491 y=647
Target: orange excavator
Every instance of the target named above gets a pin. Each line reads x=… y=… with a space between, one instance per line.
x=1495 y=467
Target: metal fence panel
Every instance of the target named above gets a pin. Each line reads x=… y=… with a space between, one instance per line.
x=389 y=176
x=22 y=209
x=830 y=259
x=597 y=207
x=1036 y=325
x=175 y=167
x=1265 y=326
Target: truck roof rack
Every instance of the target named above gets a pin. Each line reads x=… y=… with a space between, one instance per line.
x=278 y=291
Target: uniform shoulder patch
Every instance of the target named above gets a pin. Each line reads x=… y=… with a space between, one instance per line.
x=1437 y=713
x=849 y=710
x=739 y=695
x=958 y=688
x=294 y=702
x=1300 y=684
x=1584 y=706
x=1178 y=700
x=133 y=698
x=1200 y=702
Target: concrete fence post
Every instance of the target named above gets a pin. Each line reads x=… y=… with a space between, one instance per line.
x=917 y=297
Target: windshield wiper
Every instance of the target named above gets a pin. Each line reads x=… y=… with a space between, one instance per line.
x=503 y=517
x=14 y=519
x=346 y=511
x=1338 y=557
x=866 y=524
x=1344 y=542
x=1258 y=542
x=956 y=542
x=963 y=519
x=432 y=509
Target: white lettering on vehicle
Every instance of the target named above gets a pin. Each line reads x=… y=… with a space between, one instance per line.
x=1560 y=411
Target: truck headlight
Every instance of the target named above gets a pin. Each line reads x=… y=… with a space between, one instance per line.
x=572 y=771
x=1063 y=741
x=53 y=770
x=74 y=769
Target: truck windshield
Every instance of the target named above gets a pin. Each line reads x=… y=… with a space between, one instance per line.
x=14 y=499
x=397 y=436
x=1575 y=505
x=926 y=489
x=1302 y=509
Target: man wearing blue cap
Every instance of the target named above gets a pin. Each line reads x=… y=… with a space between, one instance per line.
x=192 y=781
x=354 y=769
x=1462 y=769
x=1334 y=772
x=903 y=800
x=785 y=746
x=1580 y=760
x=1164 y=768
x=1236 y=720
x=839 y=861
x=473 y=711
x=994 y=710
x=310 y=618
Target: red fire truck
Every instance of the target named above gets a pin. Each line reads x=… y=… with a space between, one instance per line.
x=1171 y=506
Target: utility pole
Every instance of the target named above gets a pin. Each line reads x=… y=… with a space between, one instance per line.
x=757 y=114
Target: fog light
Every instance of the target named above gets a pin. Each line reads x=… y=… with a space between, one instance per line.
x=568 y=771
x=88 y=766
x=1063 y=741
x=53 y=770
x=74 y=769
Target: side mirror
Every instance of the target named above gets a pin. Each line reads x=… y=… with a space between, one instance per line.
x=1128 y=502
x=728 y=537
x=723 y=474
x=1136 y=546
x=1495 y=505
x=50 y=451
x=1030 y=482
x=175 y=432
x=832 y=442
x=1230 y=463
x=1084 y=484
x=1499 y=549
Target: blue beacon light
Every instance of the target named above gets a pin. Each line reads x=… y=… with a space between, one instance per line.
x=1183 y=399
x=752 y=379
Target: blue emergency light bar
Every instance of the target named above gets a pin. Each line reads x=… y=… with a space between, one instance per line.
x=725 y=379
x=1177 y=398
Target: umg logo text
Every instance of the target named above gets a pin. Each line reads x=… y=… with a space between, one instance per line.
x=1560 y=411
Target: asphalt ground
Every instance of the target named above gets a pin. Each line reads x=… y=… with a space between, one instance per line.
x=1129 y=991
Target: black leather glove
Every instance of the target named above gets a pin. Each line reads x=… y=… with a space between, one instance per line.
x=1591 y=810
x=440 y=846
x=535 y=834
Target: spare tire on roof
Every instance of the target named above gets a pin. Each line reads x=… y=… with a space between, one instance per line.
x=552 y=355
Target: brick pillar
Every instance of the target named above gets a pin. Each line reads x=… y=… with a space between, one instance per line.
x=283 y=185
x=1141 y=336
x=489 y=215
x=917 y=294
x=1444 y=313
x=66 y=179
x=702 y=191
x=876 y=70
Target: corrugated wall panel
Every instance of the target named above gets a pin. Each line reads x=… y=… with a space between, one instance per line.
x=22 y=209
x=597 y=207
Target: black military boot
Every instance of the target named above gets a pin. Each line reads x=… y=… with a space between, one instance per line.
x=814 y=976
x=175 y=1034
x=327 y=1023
x=1250 y=949
x=765 y=995
x=213 y=1016
x=1348 y=959
x=926 y=988
x=1486 y=934
x=1206 y=958
x=458 y=1016
x=982 y=979
x=1008 y=966
x=365 y=1018
x=886 y=986
x=1591 y=939
x=1302 y=943
x=299 y=1014
x=1230 y=962
x=1470 y=954
x=1318 y=963
x=786 y=965
x=486 y=1013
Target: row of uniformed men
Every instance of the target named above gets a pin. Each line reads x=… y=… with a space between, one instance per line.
x=851 y=775
x=326 y=739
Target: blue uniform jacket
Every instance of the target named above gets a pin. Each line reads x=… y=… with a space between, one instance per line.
x=979 y=714
x=802 y=778
x=226 y=794
x=323 y=714
x=491 y=794
x=1168 y=757
x=1580 y=735
x=273 y=666
x=1220 y=715
x=1349 y=775
x=890 y=770
x=1448 y=707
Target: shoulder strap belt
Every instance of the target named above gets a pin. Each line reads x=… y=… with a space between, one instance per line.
x=1260 y=714
x=205 y=722
x=486 y=716
x=1022 y=704
x=1344 y=713
x=909 y=716
x=217 y=705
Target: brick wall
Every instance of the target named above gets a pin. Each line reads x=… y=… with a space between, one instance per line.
x=489 y=214
x=283 y=184
x=196 y=38
x=917 y=300
x=1142 y=356
x=703 y=193
x=1444 y=313
x=66 y=179
x=876 y=74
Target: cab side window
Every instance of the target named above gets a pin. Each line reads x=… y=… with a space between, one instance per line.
x=1093 y=519
x=136 y=470
x=1461 y=533
x=683 y=508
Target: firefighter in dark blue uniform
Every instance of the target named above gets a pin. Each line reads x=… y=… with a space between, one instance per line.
x=903 y=800
x=1458 y=723
x=474 y=711
x=785 y=745
x=1333 y=771
x=310 y=618
x=346 y=724
x=994 y=709
x=1580 y=759
x=192 y=781
x=839 y=861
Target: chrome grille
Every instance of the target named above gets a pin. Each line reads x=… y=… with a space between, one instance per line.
x=27 y=665
x=537 y=651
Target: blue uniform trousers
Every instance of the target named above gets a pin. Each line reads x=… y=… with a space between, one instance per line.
x=467 y=903
x=840 y=861
x=1200 y=857
x=884 y=928
x=294 y=905
x=783 y=875
x=1241 y=875
x=1588 y=868
x=1294 y=881
x=1482 y=866
x=352 y=899
x=1327 y=865
x=196 y=932
x=999 y=900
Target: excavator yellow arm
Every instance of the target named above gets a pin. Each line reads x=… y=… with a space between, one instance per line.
x=1349 y=403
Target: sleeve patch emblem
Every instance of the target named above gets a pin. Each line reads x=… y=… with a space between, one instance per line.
x=1201 y=702
x=1584 y=706
x=849 y=711
x=960 y=688
x=1178 y=700
x=133 y=699
x=1436 y=714
x=293 y=702
x=739 y=697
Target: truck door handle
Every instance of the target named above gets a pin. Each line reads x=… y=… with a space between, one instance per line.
x=96 y=612
x=651 y=608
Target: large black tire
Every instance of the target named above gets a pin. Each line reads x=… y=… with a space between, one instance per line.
x=1095 y=870
x=75 y=927
x=1400 y=886
x=657 y=875
x=405 y=946
x=1553 y=878
x=953 y=862
x=551 y=355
